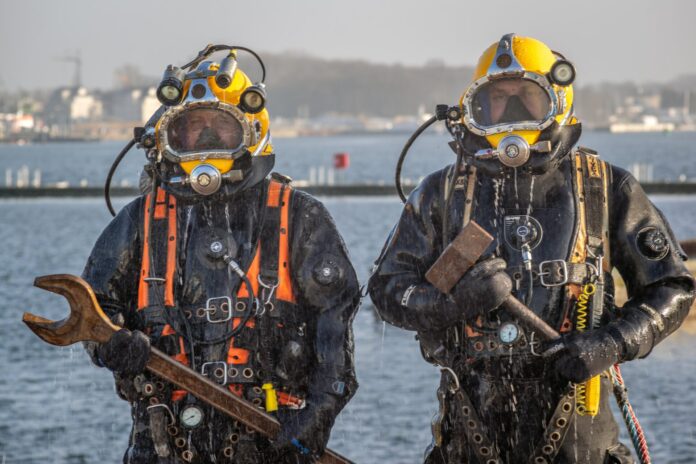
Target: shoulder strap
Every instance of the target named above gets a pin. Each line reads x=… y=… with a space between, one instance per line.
x=469 y=198
x=158 y=264
x=157 y=269
x=466 y=182
x=593 y=173
x=591 y=186
x=592 y=238
x=275 y=248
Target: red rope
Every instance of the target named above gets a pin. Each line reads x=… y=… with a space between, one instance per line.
x=643 y=444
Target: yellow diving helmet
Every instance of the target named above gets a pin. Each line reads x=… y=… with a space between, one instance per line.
x=520 y=88
x=214 y=129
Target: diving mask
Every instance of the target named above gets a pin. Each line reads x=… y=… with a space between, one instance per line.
x=505 y=106
x=205 y=138
x=200 y=131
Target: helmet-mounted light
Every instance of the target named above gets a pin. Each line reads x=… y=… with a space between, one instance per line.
x=253 y=99
x=226 y=71
x=170 y=89
x=562 y=73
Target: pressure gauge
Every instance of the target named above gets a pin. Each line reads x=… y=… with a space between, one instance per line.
x=191 y=416
x=509 y=332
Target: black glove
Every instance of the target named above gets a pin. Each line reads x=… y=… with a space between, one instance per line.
x=248 y=452
x=580 y=356
x=291 y=450
x=305 y=432
x=482 y=288
x=126 y=352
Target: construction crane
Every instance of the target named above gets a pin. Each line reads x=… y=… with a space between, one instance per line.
x=77 y=60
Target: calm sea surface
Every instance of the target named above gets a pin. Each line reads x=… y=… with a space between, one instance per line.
x=56 y=408
x=373 y=157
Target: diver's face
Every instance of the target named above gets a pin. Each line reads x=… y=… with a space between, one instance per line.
x=203 y=124
x=530 y=95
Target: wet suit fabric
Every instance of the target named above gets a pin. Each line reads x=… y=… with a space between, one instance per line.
x=515 y=393
x=310 y=338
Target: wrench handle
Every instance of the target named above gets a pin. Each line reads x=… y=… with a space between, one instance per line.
x=221 y=399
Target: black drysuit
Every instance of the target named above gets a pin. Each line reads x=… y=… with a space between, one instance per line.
x=516 y=391
x=309 y=344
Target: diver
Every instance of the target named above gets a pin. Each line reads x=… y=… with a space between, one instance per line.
x=561 y=219
x=230 y=270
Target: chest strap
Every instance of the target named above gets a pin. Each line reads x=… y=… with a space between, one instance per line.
x=556 y=272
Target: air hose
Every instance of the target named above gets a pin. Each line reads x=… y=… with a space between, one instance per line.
x=634 y=429
x=112 y=170
x=404 y=152
x=210 y=49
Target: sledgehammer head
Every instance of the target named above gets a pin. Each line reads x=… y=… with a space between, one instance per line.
x=458 y=257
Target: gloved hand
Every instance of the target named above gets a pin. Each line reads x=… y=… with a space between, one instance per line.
x=248 y=452
x=482 y=288
x=126 y=352
x=305 y=432
x=290 y=450
x=580 y=356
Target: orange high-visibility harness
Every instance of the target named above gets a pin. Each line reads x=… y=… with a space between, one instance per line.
x=151 y=293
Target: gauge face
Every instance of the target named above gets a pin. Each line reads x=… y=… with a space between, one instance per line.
x=509 y=332
x=191 y=416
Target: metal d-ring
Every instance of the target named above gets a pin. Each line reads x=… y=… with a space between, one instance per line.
x=454 y=376
x=532 y=344
x=258 y=308
x=160 y=405
x=266 y=286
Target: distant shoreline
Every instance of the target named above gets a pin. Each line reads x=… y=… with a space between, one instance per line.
x=316 y=133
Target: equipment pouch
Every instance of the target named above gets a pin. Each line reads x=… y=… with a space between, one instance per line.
x=158 y=430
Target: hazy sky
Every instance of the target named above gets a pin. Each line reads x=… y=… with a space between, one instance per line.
x=611 y=40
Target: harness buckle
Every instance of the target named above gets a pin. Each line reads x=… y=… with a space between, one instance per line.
x=210 y=309
x=219 y=373
x=266 y=295
x=556 y=269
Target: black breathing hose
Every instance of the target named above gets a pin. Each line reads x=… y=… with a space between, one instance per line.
x=210 y=49
x=112 y=170
x=404 y=151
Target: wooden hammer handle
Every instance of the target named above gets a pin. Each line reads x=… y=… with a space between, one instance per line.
x=529 y=318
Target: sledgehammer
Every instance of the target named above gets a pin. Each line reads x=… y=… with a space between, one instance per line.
x=460 y=255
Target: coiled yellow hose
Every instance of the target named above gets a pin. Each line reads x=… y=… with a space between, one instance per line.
x=586 y=394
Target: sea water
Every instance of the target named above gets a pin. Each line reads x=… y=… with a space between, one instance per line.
x=56 y=407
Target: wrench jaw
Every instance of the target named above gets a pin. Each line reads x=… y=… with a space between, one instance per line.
x=48 y=331
x=86 y=321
